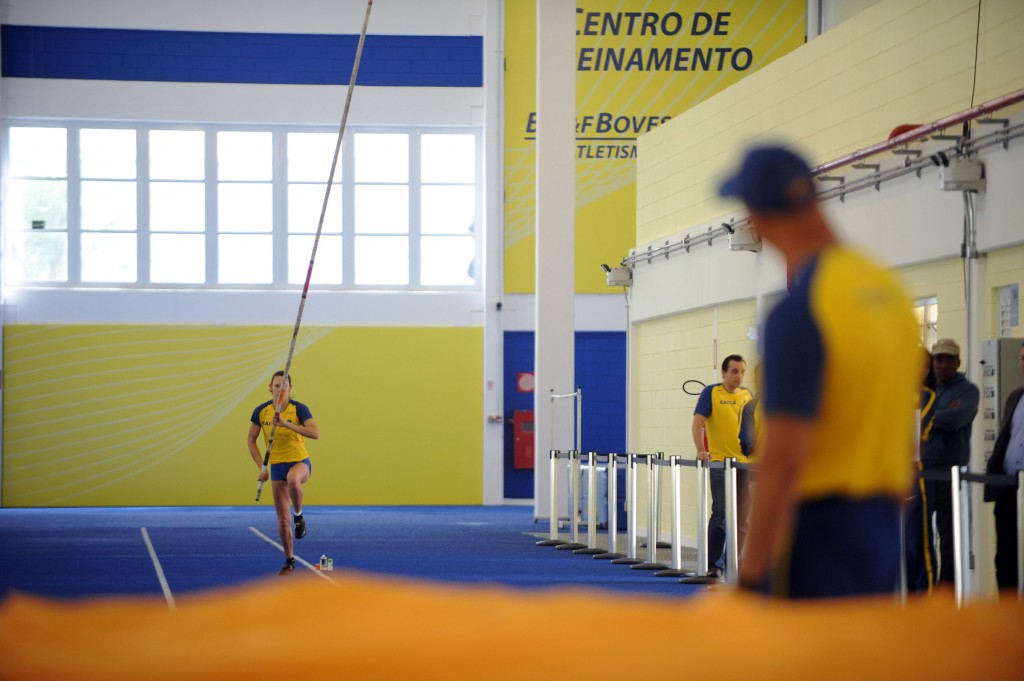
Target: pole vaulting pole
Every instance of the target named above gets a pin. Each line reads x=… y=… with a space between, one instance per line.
x=316 y=239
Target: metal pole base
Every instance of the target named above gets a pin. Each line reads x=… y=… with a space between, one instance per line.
x=570 y=546
x=675 y=573
x=626 y=561
x=609 y=556
x=660 y=545
x=700 y=579
x=589 y=551
x=649 y=566
x=550 y=542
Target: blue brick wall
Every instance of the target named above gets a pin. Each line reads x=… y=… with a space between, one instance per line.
x=600 y=371
x=213 y=57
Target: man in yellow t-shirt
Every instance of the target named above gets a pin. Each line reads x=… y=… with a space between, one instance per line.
x=717 y=415
x=841 y=372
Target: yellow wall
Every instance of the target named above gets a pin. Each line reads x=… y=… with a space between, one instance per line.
x=896 y=62
x=158 y=415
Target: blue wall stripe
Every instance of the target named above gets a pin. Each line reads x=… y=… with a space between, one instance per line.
x=600 y=369
x=213 y=57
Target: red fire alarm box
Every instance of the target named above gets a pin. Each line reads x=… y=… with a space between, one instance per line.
x=522 y=443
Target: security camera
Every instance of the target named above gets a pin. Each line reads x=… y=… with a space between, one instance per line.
x=606 y=268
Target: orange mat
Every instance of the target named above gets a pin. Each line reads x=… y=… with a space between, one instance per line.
x=366 y=628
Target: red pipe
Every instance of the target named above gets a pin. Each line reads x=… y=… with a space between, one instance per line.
x=922 y=131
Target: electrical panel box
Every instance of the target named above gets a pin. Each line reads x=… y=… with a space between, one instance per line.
x=1000 y=376
x=962 y=175
x=523 y=438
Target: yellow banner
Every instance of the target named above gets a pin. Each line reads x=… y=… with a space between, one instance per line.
x=638 y=64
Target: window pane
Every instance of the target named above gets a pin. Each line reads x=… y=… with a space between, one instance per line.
x=382 y=209
x=37 y=256
x=108 y=206
x=244 y=155
x=38 y=204
x=447 y=209
x=177 y=155
x=39 y=152
x=326 y=267
x=382 y=260
x=107 y=153
x=109 y=257
x=177 y=258
x=177 y=207
x=447 y=260
x=305 y=201
x=244 y=207
x=245 y=259
x=310 y=155
x=448 y=158
x=382 y=158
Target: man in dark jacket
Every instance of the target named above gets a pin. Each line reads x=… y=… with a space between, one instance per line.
x=1007 y=459
x=949 y=444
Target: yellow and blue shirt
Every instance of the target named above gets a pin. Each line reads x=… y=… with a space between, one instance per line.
x=721 y=411
x=842 y=352
x=288 y=446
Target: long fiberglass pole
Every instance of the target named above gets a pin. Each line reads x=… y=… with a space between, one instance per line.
x=316 y=239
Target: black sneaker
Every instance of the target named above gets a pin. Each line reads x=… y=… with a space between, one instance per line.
x=300 y=526
x=289 y=566
x=715 y=573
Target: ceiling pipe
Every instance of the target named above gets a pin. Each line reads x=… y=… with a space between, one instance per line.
x=922 y=131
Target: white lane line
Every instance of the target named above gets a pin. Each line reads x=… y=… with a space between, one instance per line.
x=159 y=571
x=298 y=559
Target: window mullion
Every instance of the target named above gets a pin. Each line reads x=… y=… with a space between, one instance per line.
x=142 y=234
x=74 y=206
x=414 y=209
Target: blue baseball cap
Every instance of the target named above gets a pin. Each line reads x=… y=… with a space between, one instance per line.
x=771 y=179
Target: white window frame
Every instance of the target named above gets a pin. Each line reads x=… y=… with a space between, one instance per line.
x=280 y=213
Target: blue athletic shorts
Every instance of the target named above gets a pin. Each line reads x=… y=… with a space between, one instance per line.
x=843 y=547
x=279 y=471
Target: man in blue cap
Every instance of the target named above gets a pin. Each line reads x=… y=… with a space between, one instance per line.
x=841 y=364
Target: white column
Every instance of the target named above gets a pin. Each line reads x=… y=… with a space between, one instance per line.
x=490 y=255
x=555 y=259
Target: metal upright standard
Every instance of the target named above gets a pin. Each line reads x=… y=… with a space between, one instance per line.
x=676 y=570
x=703 y=474
x=591 y=549
x=1020 y=534
x=631 y=519
x=732 y=549
x=574 y=504
x=553 y=539
x=652 y=516
x=959 y=537
x=613 y=510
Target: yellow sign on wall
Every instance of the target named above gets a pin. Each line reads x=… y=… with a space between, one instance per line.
x=638 y=64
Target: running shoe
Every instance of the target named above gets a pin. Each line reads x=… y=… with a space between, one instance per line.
x=300 y=526
x=289 y=566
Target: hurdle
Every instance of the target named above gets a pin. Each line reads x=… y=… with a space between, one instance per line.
x=631 y=521
x=654 y=461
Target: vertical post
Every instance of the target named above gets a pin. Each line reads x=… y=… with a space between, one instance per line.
x=676 y=569
x=1020 y=535
x=702 y=518
x=903 y=553
x=958 y=539
x=591 y=548
x=552 y=539
x=613 y=504
x=731 y=524
x=631 y=519
x=652 y=518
